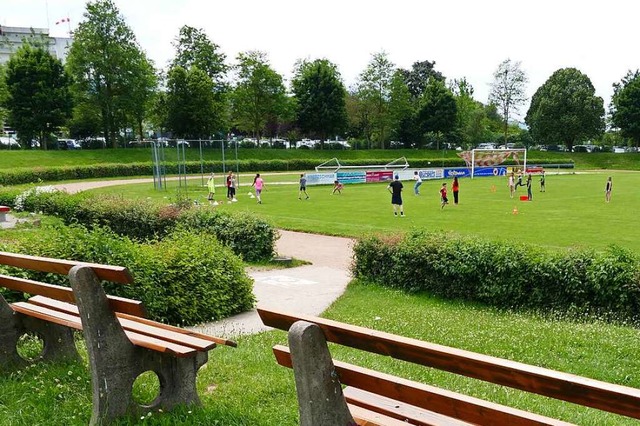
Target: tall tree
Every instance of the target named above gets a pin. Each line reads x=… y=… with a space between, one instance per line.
x=38 y=98
x=419 y=76
x=193 y=47
x=105 y=61
x=190 y=103
x=320 y=99
x=508 y=91
x=259 y=95
x=625 y=106
x=402 y=112
x=373 y=92
x=437 y=111
x=4 y=94
x=467 y=109
x=565 y=108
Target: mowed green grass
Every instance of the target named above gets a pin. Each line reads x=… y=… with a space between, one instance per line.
x=571 y=213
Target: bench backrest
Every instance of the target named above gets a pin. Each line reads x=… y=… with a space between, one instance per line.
x=562 y=386
x=117 y=274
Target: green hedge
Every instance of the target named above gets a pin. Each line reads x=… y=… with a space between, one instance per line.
x=187 y=278
x=506 y=275
x=50 y=174
x=250 y=237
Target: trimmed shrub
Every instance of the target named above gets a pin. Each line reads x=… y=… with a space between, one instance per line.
x=250 y=237
x=188 y=278
x=506 y=275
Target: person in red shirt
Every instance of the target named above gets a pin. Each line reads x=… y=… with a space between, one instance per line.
x=455 y=187
x=443 y=195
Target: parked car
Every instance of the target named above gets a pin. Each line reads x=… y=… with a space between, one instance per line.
x=9 y=143
x=68 y=144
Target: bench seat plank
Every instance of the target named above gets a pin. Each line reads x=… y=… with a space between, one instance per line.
x=563 y=386
x=448 y=403
x=131 y=323
x=73 y=321
x=116 y=274
x=65 y=294
x=364 y=417
x=398 y=409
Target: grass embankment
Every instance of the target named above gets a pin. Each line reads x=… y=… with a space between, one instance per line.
x=29 y=158
x=245 y=386
x=571 y=212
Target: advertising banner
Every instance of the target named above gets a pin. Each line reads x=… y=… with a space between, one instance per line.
x=431 y=174
x=352 y=177
x=457 y=172
x=320 y=178
x=379 y=176
x=535 y=170
x=490 y=171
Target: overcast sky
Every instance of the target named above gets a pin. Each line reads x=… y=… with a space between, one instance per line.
x=466 y=38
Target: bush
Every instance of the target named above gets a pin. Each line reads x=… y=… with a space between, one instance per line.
x=250 y=237
x=506 y=275
x=188 y=278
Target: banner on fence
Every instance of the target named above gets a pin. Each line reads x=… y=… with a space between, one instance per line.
x=320 y=178
x=352 y=177
x=430 y=174
x=379 y=176
x=457 y=172
x=490 y=171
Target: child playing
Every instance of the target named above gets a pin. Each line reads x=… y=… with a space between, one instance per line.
x=443 y=195
x=337 y=186
x=258 y=183
x=303 y=187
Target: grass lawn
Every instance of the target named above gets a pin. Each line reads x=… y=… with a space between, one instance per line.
x=571 y=212
x=245 y=386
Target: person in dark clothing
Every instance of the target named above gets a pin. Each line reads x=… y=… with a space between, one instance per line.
x=395 y=188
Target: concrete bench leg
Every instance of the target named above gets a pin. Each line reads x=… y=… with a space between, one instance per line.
x=59 y=344
x=320 y=398
x=115 y=362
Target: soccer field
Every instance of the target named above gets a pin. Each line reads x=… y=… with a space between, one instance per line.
x=572 y=211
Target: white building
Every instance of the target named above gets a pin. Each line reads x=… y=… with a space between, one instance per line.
x=11 y=38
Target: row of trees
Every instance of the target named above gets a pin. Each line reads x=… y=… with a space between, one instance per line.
x=109 y=86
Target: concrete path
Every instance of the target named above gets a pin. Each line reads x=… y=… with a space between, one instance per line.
x=308 y=289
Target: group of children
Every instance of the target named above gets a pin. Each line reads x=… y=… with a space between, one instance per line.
x=231 y=184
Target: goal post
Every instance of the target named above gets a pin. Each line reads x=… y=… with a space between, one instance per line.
x=482 y=157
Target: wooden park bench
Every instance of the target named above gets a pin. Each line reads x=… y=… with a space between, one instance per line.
x=374 y=398
x=121 y=343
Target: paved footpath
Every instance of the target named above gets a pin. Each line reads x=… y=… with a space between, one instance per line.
x=308 y=289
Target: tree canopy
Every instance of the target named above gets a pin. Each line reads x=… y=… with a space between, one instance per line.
x=37 y=98
x=625 y=106
x=508 y=91
x=565 y=109
x=320 y=95
x=437 y=111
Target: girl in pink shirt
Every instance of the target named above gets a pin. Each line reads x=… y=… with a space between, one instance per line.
x=259 y=184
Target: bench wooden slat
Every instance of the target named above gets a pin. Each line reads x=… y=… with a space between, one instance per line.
x=364 y=417
x=563 y=386
x=447 y=403
x=116 y=274
x=131 y=323
x=65 y=294
x=398 y=409
x=74 y=322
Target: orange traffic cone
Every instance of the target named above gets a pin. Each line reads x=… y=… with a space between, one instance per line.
x=515 y=210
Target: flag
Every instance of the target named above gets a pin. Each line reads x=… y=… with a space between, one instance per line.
x=63 y=20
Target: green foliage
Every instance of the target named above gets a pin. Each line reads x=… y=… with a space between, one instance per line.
x=187 y=278
x=508 y=90
x=625 y=106
x=38 y=97
x=142 y=220
x=193 y=48
x=437 y=110
x=566 y=109
x=506 y=275
x=320 y=96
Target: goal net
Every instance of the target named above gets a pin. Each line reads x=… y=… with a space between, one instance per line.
x=493 y=157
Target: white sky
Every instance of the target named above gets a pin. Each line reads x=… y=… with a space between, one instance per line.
x=466 y=38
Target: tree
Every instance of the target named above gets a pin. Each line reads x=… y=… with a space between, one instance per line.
x=38 y=98
x=420 y=74
x=259 y=95
x=437 y=111
x=625 y=106
x=193 y=48
x=4 y=94
x=402 y=112
x=508 y=91
x=190 y=103
x=107 y=65
x=565 y=108
x=320 y=96
x=373 y=92
x=467 y=108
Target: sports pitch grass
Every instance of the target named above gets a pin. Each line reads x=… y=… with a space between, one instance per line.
x=571 y=213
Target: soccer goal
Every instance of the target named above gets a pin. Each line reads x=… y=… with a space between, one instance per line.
x=335 y=166
x=481 y=157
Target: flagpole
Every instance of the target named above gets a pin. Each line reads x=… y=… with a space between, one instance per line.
x=46 y=6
